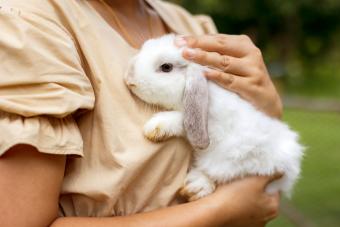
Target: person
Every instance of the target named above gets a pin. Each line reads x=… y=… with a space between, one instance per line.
x=72 y=150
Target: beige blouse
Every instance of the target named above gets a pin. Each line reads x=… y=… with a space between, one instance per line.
x=62 y=91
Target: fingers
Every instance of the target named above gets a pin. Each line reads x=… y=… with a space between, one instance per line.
x=243 y=69
x=224 y=79
x=233 y=45
x=273 y=206
x=225 y=63
x=229 y=81
x=275 y=177
x=269 y=179
x=263 y=181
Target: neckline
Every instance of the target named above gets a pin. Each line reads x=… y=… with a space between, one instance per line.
x=153 y=4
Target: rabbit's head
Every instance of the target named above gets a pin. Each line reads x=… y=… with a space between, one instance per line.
x=159 y=75
x=156 y=73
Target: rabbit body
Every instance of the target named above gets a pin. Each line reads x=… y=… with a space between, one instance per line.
x=241 y=140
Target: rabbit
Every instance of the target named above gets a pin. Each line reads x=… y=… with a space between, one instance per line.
x=231 y=139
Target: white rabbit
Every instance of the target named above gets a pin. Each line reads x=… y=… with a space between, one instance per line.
x=231 y=138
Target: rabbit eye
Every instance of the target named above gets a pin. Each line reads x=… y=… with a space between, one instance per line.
x=166 y=67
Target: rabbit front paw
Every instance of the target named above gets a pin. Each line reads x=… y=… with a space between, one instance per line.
x=155 y=132
x=197 y=185
x=163 y=125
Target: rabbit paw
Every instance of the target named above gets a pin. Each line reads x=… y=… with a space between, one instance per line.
x=155 y=132
x=163 y=126
x=197 y=185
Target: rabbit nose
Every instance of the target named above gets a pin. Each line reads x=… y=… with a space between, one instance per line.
x=131 y=85
x=129 y=82
x=129 y=78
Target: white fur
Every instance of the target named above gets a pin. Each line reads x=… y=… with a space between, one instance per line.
x=243 y=140
x=169 y=123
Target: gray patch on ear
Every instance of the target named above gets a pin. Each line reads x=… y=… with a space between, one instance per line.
x=196 y=100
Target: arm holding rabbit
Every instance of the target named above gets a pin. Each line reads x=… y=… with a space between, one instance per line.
x=31 y=181
x=238 y=66
x=242 y=203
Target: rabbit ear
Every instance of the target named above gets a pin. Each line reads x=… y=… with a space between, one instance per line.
x=195 y=102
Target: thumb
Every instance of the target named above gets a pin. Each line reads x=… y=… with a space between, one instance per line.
x=275 y=177
x=265 y=180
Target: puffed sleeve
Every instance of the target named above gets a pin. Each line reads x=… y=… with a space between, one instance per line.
x=42 y=83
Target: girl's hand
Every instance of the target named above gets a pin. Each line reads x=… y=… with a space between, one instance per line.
x=237 y=66
x=244 y=202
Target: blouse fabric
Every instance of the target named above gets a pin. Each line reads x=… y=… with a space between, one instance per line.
x=62 y=91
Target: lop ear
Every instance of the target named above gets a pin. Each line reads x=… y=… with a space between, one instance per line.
x=196 y=100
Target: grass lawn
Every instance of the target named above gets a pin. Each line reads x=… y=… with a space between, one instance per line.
x=317 y=195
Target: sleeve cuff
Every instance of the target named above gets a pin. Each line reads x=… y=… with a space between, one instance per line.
x=47 y=134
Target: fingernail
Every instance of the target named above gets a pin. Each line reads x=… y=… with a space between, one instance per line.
x=208 y=70
x=180 y=41
x=209 y=73
x=190 y=53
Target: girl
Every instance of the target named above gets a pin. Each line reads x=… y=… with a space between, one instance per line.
x=71 y=146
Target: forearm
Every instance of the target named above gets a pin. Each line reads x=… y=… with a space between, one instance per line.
x=197 y=214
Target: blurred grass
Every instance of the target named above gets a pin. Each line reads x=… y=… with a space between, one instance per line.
x=317 y=194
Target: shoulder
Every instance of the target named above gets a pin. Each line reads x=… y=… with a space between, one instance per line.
x=32 y=6
x=45 y=15
x=41 y=10
x=180 y=17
